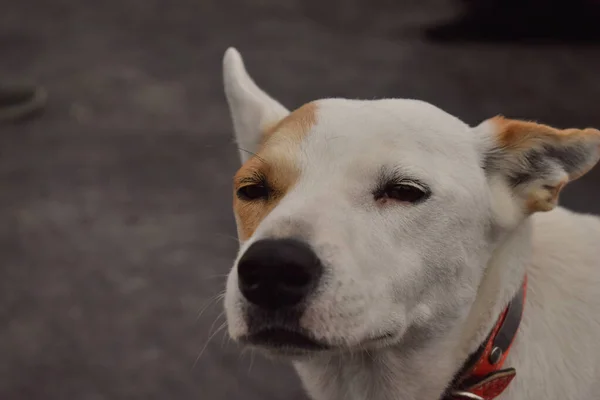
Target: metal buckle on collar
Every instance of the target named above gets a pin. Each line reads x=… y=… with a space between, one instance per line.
x=465 y=395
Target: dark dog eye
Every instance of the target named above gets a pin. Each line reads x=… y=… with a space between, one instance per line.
x=253 y=192
x=407 y=192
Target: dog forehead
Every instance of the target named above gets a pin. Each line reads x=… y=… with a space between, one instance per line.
x=331 y=135
x=375 y=120
x=413 y=133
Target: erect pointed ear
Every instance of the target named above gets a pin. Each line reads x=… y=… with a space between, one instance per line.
x=252 y=110
x=536 y=160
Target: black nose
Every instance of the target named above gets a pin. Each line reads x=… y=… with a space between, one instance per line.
x=278 y=273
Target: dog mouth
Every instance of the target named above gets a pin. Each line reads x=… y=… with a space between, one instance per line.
x=285 y=341
x=282 y=339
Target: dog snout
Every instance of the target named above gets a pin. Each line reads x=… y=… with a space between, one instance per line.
x=278 y=273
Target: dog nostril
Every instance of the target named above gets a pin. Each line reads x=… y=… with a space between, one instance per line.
x=251 y=280
x=278 y=273
x=296 y=279
x=251 y=285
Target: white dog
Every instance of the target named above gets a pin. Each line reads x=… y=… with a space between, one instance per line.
x=391 y=252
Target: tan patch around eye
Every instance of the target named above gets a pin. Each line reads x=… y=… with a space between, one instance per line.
x=276 y=161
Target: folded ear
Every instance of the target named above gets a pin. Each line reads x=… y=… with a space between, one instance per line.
x=252 y=110
x=538 y=160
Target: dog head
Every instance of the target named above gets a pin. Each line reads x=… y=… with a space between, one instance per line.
x=361 y=219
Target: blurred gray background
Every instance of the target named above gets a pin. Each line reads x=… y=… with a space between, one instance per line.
x=115 y=221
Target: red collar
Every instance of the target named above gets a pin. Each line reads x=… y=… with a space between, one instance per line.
x=482 y=376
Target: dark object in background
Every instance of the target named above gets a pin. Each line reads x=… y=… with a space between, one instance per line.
x=20 y=102
x=523 y=20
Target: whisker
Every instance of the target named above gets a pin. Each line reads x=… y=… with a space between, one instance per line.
x=254 y=154
x=225 y=337
x=221 y=314
x=251 y=361
x=216 y=276
x=223 y=325
x=210 y=302
x=235 y=238
x=370 y=355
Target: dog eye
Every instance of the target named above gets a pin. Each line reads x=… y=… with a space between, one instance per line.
x=407 y=192
x=254 y=191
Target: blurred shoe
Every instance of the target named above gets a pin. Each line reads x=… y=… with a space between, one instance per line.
x=20 y=102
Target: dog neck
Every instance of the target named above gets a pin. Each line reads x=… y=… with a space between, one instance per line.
x=423 y=368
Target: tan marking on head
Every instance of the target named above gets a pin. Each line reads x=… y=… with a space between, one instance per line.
x=297 y=124
x=277 y=163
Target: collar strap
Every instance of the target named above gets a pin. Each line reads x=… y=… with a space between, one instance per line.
x=482 y=376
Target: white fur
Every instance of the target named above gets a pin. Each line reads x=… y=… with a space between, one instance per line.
x=252 y=110
x=437 y=274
